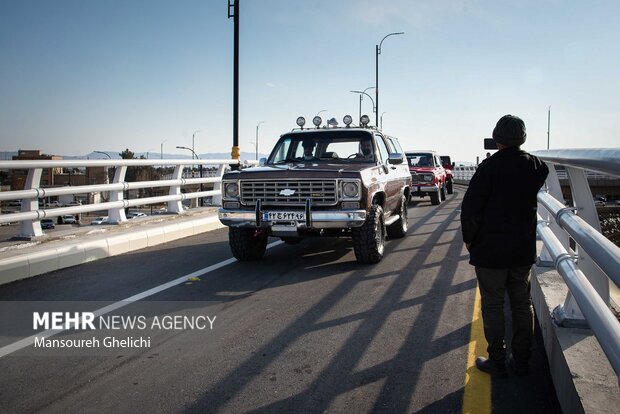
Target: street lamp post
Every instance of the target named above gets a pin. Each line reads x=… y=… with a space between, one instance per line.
x=369 y=97
x=261 y=122
x=161 y=149
x=361 y=96
x=193 y=142
x=194 y=155
x=377 y=53
x=104 y=153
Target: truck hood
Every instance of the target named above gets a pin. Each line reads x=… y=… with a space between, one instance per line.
x=300 y=170
x=422 y=169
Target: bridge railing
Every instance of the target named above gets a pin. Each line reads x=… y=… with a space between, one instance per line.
x=31 y=214
x=587 y=261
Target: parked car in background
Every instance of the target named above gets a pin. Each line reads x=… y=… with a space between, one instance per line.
x=54 y=203
x=47 y=223
x=448 y=165
x=73 y=203
x=428 y=175
x=99 y=220
x=135 y=215
x=68 y=219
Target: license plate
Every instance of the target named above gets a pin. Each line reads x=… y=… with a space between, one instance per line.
x=284 y=216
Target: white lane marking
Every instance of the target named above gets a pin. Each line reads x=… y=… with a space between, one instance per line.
x=16 y=346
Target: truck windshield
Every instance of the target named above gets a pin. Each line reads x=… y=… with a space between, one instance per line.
x=420 y=159
x=324 y=146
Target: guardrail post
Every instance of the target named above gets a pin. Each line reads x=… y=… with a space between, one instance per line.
x=217 y=199
x=555 y=190
x=176 y=206
x=117 y=215
x=583 y=200
x=31 y=228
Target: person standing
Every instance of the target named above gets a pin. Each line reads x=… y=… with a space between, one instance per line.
x=498 y=223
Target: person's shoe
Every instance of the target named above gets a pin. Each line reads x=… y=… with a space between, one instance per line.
x=518 y=368
x=495 y=369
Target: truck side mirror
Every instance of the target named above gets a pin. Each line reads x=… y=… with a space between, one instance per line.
x=262 y=161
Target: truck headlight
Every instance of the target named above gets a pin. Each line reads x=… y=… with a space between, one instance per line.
x=351 y=190
x=231 y=190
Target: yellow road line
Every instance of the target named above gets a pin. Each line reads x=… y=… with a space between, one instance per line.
x=477 y=398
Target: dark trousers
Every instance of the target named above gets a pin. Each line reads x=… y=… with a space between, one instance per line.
x=493 y=284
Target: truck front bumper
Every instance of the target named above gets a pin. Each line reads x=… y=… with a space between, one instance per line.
x=323 y=219
x=424 y=188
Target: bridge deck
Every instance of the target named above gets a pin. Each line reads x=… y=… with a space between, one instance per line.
x=307 y=329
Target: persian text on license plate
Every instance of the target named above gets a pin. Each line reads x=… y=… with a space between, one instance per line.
x=284 y=216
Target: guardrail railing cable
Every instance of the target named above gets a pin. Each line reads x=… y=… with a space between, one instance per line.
x=595 y=261
x=30 y=214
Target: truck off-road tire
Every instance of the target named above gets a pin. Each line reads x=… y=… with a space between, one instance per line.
x=442 y=193
x=399 y=228
x=247 y=244
x=369 y=239
x=436 y=198
x=449 y=187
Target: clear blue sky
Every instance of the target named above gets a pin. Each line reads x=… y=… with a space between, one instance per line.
x=84 y=75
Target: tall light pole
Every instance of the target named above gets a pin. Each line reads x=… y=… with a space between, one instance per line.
x=107 y=174
x=261 y=122
x=233 y=11
x=104 y=153
x=161 y=149
x=370 y=87
x=194 y=154
x=381 y=127
x=371 y=100
x=377 y=53
x=193 y=142
x=548 y=126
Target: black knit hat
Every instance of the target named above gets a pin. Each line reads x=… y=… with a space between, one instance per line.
x=510 y=131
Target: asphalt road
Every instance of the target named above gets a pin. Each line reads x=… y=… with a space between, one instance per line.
x=306 y=329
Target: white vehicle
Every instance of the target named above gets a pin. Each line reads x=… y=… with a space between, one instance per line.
x=68 y=219
x=100 y=220
x=135 y=215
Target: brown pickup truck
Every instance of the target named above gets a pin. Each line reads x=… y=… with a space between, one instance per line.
x=329 y=181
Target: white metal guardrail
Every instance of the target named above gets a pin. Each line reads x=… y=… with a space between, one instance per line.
x=30 y=215
x=592 y=268
x=463 y=173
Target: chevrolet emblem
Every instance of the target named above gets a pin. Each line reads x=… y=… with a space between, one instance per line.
x=287 y=192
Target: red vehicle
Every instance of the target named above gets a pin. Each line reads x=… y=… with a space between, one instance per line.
x=428 y=175
x=448 y=165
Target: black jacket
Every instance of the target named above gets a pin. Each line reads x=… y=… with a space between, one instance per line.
x=498 y=215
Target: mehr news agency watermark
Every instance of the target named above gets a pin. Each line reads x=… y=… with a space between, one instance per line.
x=85 y=321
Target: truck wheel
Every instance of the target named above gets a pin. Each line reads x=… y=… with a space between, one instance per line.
x=449 y=187
x=442 y=193
x=436 y=198
x=369 y=239
x=399 y=228
x=247 y=244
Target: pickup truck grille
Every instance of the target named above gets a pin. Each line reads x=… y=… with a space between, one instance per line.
x=289 y=193
x=422 y=178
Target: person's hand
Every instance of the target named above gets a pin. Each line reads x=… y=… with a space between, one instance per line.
x=468 y=246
